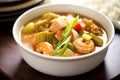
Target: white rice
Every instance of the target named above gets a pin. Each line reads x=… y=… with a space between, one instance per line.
x=110 y=8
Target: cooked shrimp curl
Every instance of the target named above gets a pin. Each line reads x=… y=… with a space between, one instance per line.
x=44 y=48
x=84 y=46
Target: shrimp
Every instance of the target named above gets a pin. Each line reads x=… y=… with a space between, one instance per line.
x=58 y=35
x=45 y=48
x=84 y=46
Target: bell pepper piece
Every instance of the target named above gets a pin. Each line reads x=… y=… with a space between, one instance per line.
x=78 y=27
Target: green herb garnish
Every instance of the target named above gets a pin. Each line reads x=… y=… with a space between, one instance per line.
x=63 y=44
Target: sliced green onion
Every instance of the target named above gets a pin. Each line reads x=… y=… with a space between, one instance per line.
x=70 y=26
x=63 y=44
x=62 y=47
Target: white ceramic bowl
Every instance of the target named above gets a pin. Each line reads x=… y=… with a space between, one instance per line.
x=63 y=66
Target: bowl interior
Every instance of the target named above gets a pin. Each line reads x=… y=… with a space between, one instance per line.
x=37 y=11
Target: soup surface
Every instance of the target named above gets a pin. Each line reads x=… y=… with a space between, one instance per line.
x=63 y=34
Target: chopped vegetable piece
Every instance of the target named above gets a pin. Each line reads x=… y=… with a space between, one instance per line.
x=28 y=29
x=71 y=46
x=74 y=35
x=98 y=41
x=86 y=36
x=50 y=16
x=68 y=53
x=78 y=27
x=44 y=37
x=40 y=22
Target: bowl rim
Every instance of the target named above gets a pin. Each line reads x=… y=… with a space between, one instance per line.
x=56 y=57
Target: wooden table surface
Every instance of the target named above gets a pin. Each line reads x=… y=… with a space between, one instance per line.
x=12 y=66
